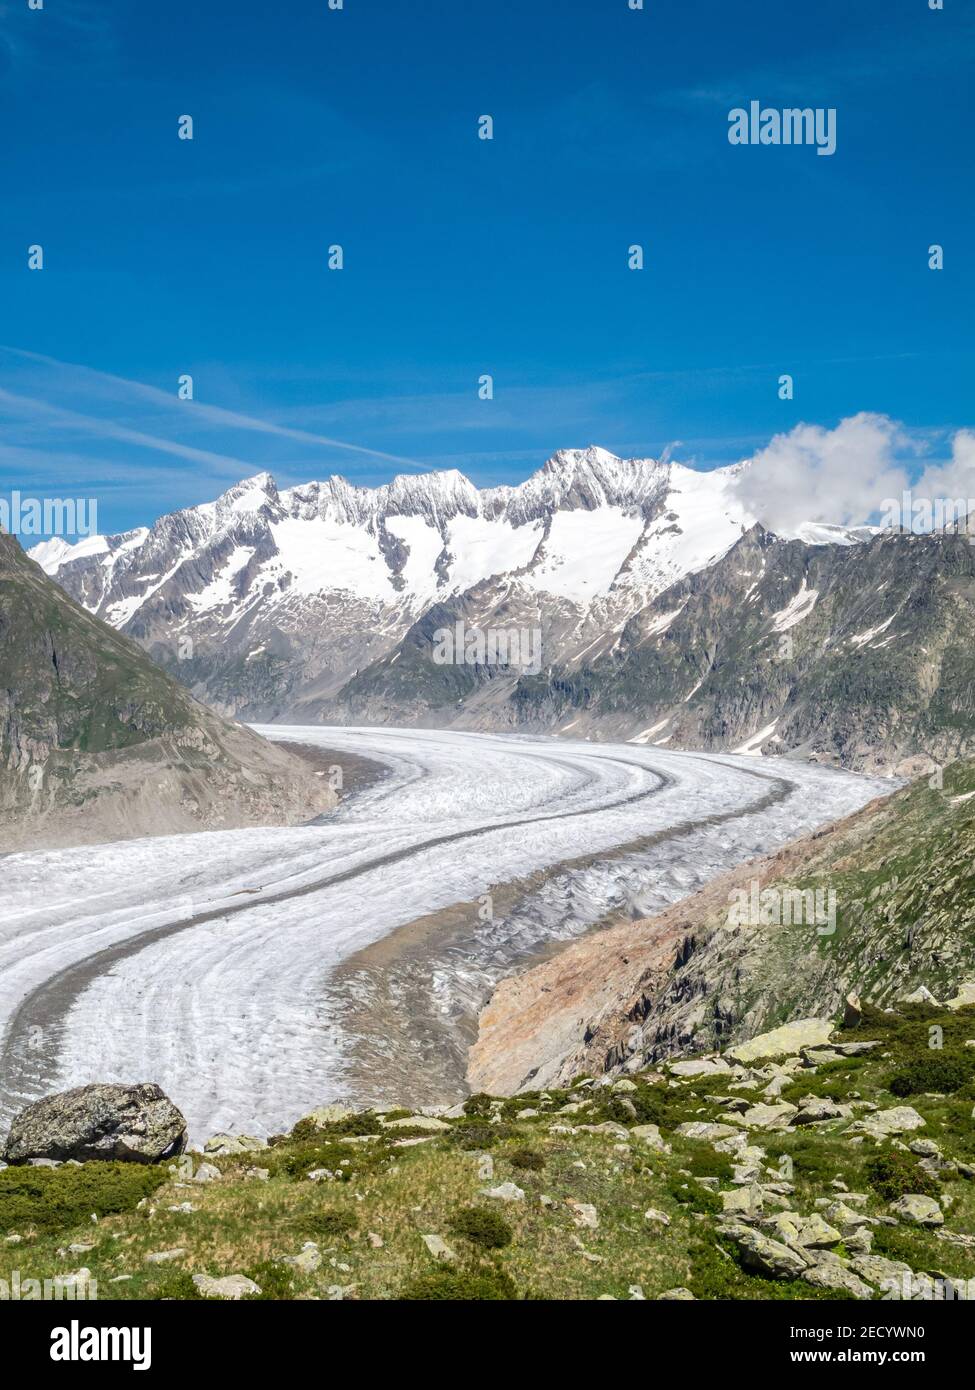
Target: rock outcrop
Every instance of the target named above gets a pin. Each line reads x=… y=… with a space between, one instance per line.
x=138 y=1124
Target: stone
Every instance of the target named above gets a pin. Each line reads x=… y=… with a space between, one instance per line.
x=921 y=995
x=742 y=1200
x=650 y=1135
x=307 y=1261
x=784 y=1041
x=846 y=1218
x=706 y=1130
x=136 y=1124
x=852 y=1011
x=836 y=1276
x=261 y=1174
x=820 y=1056
x=700 y=1066
x=427 y=1123
x=505 y=1192
x=207 y=1172
x=853 y=1049
x=162 y=1257
x=623 y=1085
x=375 y=1240
x=326 y=1115
x=438 y=1248
x=584 y=1214
x=527 y=1114
x=899 y=1119
x=816 y=1109
x=965 y=996
x=918 y=1210
x=860 y=1242
x=655 y=1217
x=924 y=1148
x=617 y=1131
x=677 y=1295
x=768 y=1257
x=773 y=1117
x=879 y=1271
x=816 y=1232
x=232 y=1286
x=222 y=1145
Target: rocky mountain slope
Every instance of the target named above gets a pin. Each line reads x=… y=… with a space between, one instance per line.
x=653 y=604
x=859 y=655
x=718 y=967
x=97 y=743
x=820 y=1164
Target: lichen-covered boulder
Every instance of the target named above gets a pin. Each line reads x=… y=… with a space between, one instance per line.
x=138 y=1124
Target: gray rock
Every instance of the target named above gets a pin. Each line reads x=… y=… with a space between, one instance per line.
x=781 y=1042
x=655 y=1217
x=768 y=1257
x=428 y=1123
x=650 y=1135
x=706 y=1130
x=584 y=1214
x=701 y=1066
x=221 y=1145
x=827 y=1275
x=439 y=1248
x=504 y=1192
x=308 y=1259
x=899 y=1119
x=819 y=1108
x=772 y=1117
x=163 y=1257
x=232 y=1286
x=137 y=1124
x=207 y=1172
x=918 y=1210
x=881 y=1272
x=678 y=1295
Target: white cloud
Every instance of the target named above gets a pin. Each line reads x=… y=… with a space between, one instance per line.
x=840 y=475
x=952 y=480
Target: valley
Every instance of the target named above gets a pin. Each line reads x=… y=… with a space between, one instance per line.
x=209 y=961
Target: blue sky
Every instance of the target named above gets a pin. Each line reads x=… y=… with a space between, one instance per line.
x=463 y=256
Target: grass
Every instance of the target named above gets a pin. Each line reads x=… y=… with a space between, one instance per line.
x=369 y=1220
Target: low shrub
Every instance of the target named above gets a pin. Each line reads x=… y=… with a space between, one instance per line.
x=531 y=1160
x=330 y=1223
x=463 y=1286
x=55 y=1199
x=932 y=1070
x=893 y=1173
x=482 y=1227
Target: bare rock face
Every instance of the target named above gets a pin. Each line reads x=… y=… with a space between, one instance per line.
x=138 y=1124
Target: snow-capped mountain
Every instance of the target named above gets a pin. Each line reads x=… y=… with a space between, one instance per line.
x=263 y=600
x=660 y=609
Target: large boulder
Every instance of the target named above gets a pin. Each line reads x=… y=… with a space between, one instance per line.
x=784 y=1041
x=138 y=1124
